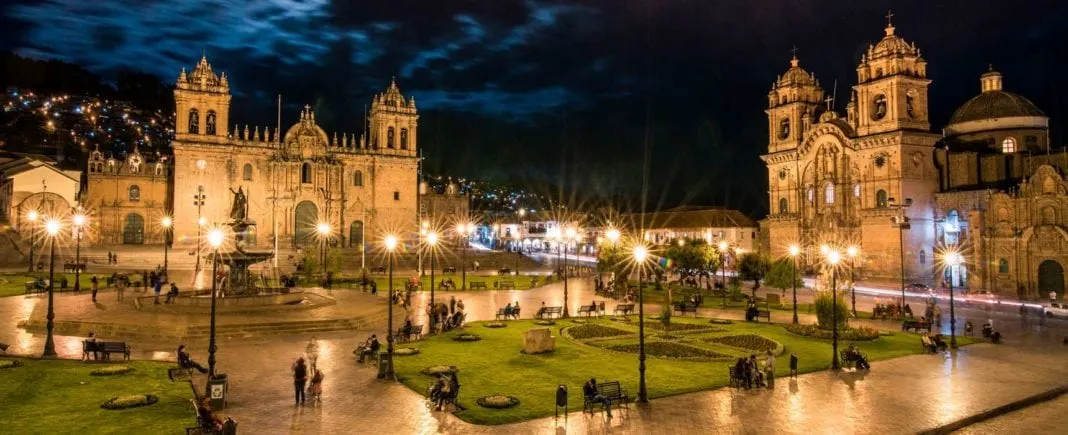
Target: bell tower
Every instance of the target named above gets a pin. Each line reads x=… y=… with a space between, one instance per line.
x=202 y=103
x=891 y=89
x=393 y=123
x=792 y=103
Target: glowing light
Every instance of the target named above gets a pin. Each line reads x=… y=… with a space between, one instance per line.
x=640 y=253
x=202 y=221
x=323 y=228
x=722 y=246
x=391 y=242
x=215 y=238
x=32 y=215
x=682 y=242
x=570 y=232
x=852 y=251
x=612 y=235
x=833 y=257
x=953 y=258
x=824 y=249
x=166 y=222
x=79 y=220
x=795 y=250
x=52 y=226
x=470 y=228
x=432 y=238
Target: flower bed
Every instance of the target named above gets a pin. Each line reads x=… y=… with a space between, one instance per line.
x=671 y=350
x=751 y=342
x=405 y=351
x=586 y=332
x=127 y=402
x=494 y=325
x=439 y=370
x=111 y=371
x=861 y=333
x=720 y=321
x=467 y=337
x=545 y=322
x=9 y=363
x=677 y=327
x=497 y=401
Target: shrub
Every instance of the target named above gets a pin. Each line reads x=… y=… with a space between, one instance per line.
x=111 y=371
x=494 y=325
x=751 y=342
x=131 y=401
x=467 y=337
x=666 y=349
x=544 y=322
x=497 y=401
x=861 y=333
x=405 y=351
x=720 y=321
x=734 y=289
x=825 y=311
x=586 y=332
x=9 y=363
x=439 y=370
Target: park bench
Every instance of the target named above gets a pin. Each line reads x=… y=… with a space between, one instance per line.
x=683 y=308
x=611 y=391
x=229 y=426
x=501 y=312
x=92 y=347
x=765 y=314
x=107 y=348
x=916 y=325
x=588 y=310
x=846 y=359
x=400 y=337
x=506 y=284
x=624 y=308
x=549 y=312
x=31 y=287
x=448 y=269
x=504 y=271
x=378 y=270
x=477 y=285
x=929 y=345
x=736 y=379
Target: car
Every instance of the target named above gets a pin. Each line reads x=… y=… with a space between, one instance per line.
x=918 y=288
x=1056 y=310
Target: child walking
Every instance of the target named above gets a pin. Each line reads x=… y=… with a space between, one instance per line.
x=315 y=390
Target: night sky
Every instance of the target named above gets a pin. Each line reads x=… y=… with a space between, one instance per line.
x=554 y=91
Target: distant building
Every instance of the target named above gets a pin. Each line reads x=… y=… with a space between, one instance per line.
x=445 y=208
x=709 y=224
x=127 y=198
x=34 y=183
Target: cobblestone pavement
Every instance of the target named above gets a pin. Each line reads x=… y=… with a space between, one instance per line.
x=903 y=395
x=1046 y=417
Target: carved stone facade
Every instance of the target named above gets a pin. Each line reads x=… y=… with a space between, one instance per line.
x=126 y=198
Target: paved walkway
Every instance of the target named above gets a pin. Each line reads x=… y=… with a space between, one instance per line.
x=903 y=395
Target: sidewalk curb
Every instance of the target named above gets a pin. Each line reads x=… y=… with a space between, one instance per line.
x=998 y=411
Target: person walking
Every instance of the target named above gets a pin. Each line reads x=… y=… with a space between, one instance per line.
x=157 y=287
x=452 y=305
x=300 y=377
x=312 y=352
x=96 y=286
x=769 y=370
x=120 y=287
x=315 y=389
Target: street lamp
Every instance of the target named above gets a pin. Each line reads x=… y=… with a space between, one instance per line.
x=215 y=240
x=722 y=248
x=52 y=227
x=198 y=201
x=612 y=235
x=640 y=253
x=518 y=249
x=852 y=252
x=432 y=242
x=463 y=230
x=794 y=252
x=833 y=257
x=79 y=225
x=167 y=222
x=952 y=259
x=391 y=244
x=569 y=234
x=902 y=223
x=32 y=217
x=323 y=229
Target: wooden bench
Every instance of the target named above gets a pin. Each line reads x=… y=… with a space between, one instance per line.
x=915 y=325
x=611 y=391
x=624 y=308
x=736 y=379
x=401 y=337
x=92 y=347
x=765 y=314
x=686 y=308
x=378 y=270
x=506 y=284
x=448 y=269
x=549 y=312
x=514 y=313
x=477 y=285
x=588 y=310
x=31 y=287
x=107 y=348
x=846 y=359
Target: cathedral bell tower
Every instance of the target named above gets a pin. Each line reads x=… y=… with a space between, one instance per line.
x=792 y=103
x=202 y=103
x=393 y=122
x=891 y=89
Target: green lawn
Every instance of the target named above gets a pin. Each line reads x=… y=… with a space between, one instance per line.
x=59 y=396
x=15 y=284
x=495 y=364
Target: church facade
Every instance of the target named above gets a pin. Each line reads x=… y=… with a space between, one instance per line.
x=880 y=179
x=294 y=180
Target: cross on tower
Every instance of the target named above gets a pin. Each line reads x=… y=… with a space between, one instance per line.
x=794 y=51
x=829 y=100
x=889 y=17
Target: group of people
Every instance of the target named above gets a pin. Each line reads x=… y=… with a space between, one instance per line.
x=751 y=374
x=852 y=354
x=369 y=348
x=113 y=258
x=444 y=390
x=447 y=284
x=301 y=386
x=511 y=310
x=890 y=310
x=449 y=316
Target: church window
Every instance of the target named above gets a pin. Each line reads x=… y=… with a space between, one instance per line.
x=389 y=137
x=782 y=174
x=784 y=128
x=1049 y=215
x=880 y=161
x=878 y=107
x=952 y=227
x=910 y=105
x=357 y=179
x=246 y=172
x=923 y=257
x=1003 y=266
x=396 y=195
x=784 y=205
x=306 y=173
x=404 y=139
x=194 y=122
x=209 y=123
x=856 y=190
x=1049 y=186
x=134 y=193
x=828 y=193
x=880 y=199
x=1008 y=145
x=159 y=168
x=810 y=194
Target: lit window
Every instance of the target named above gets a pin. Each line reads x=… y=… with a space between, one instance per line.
x=784 y=205
x=856 y=190
x=811 y=195
x=1008 y=145
x=828 y=193
x=1003 y=266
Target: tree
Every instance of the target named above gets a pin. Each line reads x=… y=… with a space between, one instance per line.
x=753 y=266
x=612 y=259
x=825 y=311
x=782 y=275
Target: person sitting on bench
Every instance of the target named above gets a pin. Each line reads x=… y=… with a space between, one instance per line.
x=185 y=362
x=853 y=354
x=208 y=420
x=589 y=390
x=172 y=293
x=371 y=348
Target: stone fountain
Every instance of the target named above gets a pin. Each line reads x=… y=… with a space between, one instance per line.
x=238 y=260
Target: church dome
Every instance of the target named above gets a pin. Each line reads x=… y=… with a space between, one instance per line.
x=306 y=127
x=796 y=76
x=994 y=103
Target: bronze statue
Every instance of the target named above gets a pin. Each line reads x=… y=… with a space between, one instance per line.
x=239 y=209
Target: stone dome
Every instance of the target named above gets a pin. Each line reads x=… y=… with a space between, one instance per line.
x=994 y=103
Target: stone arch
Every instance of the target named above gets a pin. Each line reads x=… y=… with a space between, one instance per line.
x=1050 y=278
x=194 y=122
x=246 y=172
x=306 y=173
x=356 y=234
x=305 y=217
x=209 y=123
x=133 y=230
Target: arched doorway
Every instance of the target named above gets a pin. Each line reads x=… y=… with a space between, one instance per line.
x=1050 y=278
x=305 y=217
x=356 y=234
x=133 y=232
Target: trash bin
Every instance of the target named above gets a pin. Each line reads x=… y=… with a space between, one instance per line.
x=218 y=388
x=561 y=400
x=383 y=364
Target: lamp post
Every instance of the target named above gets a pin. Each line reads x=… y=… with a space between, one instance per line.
x=79 y=225
x=198 y=201
x=323 y=229
x=794 y=252
x=463 y=230
x=640 y=254
x=952 y=259
x=215 y=240
x=723 y=267
x=52 y=227
x=167 y=222
x=32 y=217
x=432 y=241
x=902 y=223
x=833 y=257
x=518 y=249
x=569 y=234
x=852 y=252
x=391 y=245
